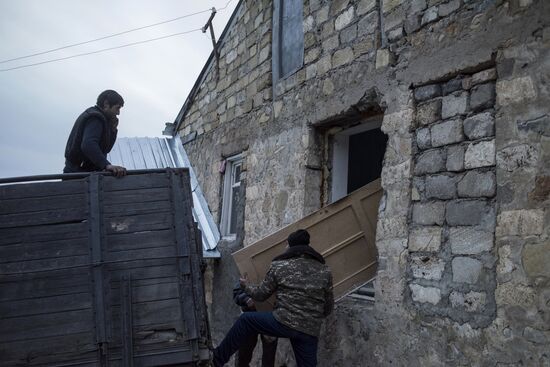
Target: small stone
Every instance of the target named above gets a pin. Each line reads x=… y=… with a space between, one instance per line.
x=427 y=92
x=440 y=187
x=455 y=158
x=479 y=126
x=416 y=6
x=429 y=112
x=389 y=5
x=447 y=132
x=447 y=8
x=365 y=6
x=477 y=184
x=480 y=154
x=482 y=96
x=520 y=222
x=536 y=260
x=426 y=239
x=466 y=270
x=384 y=57
x=423 y=138
x=452 y=86
x=427 y=267
x=349 y=34
x=344 y=19
x=454 y=104
x=430 y=15
x=395 y=34
x=515 y=91
x=412 y=23
x=484 y=76
x=539 y=126
x=518 y=156
x=471 y=301
x=368 y=25
x=330 y=43
x=470 y=213
x=342 y=57
x=428 y=213
x=328 y=87
x=431 y=161
x=470 y=241
x=425 y=294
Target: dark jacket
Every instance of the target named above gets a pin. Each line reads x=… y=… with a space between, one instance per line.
x=302 y=284
x=91 y=138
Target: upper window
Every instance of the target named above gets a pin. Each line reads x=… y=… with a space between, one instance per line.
x=231 y=195
x=288 y=38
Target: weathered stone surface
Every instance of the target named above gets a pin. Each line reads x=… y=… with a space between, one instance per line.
x=427 y=267
x=431 y=161
x=477 y=184
x=469 y=213
x=518 y=156
x=389 y=5
x=524 y=222
x=391 y=227
x=447 y=132
x=515 y=91
x=426 y=239
x=539 y=125
x=429 y=213
x=455 y=158
x=479 y=126
x=466 y=270
x=534 y=335
x=536 y=260
x=429 y=112
x=384 y=57
x=423 y=138
x=452 y=86
x=344 y=19
x=395 y=34
x=365 y=6
x=480 y=154
x=430 y=15
x=425 y=294
x=454 y=104
x=342 y=57
x=397 y=122
x=427 y=92
x=447 y=8
x=368 y=25
x=417 y=6
x=482 y=96
x=484 y=76
x=419 y=185
x=440 y=187
x=471 y=301
x=349 y=34
x=470 y=240
x=541 y=192
x=396 y=174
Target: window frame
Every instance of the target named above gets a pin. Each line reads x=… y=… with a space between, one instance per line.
x=277 y=40
x=231 y=164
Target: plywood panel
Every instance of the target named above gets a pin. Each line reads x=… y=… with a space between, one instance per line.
x=343 y=232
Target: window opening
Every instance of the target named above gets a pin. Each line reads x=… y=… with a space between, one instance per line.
x=288 y=38
x=357 y=157
x=231 y=196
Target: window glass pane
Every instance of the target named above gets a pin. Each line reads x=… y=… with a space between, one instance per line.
x=234 y=209
x=237 y=173
x=292 y=36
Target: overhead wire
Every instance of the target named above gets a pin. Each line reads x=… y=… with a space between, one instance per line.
x=106 y=37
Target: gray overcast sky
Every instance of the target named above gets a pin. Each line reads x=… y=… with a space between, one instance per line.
x=38 y=105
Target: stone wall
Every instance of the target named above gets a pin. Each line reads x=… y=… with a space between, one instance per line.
x=463 y=224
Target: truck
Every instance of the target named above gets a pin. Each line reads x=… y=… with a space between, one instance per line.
x=101 y=271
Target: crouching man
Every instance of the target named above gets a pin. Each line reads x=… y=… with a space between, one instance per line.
x=302 y=284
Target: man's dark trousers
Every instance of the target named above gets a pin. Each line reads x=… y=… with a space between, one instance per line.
x=250 y=324
x=246 y=350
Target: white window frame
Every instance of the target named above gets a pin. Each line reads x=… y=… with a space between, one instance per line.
x=231 y=164
x=340 y=157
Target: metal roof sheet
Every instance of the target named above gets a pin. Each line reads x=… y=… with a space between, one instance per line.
x=164 y=152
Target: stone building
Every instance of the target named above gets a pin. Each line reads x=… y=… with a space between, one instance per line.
x=306 y=96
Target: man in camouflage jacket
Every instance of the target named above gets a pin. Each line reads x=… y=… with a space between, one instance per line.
x=302 y=284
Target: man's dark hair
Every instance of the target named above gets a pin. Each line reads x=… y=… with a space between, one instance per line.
x=111 y=97
x=298 y=238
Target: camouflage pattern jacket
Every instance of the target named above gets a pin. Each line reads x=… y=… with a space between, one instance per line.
x=303 y=288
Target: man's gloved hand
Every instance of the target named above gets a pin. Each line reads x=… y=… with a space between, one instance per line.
x=117 y=171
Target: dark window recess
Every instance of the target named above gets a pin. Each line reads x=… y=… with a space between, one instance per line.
x=366 y=153
x=288 y=38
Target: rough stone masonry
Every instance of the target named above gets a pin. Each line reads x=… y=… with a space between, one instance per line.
x=462 y=90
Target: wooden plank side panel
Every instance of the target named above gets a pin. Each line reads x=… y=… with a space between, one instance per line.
x=139 y=240
x=56 y=232
x=343 y=232
x=138 y=223
x=37 y=204
x=42 y=189
x=38 y=285
x=135 y=182
x=50 y=216
x=45 y=305
x=43 y=250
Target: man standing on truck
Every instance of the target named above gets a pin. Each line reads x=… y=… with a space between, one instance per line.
x=93 y=136
x=302 y=284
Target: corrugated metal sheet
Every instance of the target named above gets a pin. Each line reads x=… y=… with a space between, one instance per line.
x=151 y=153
